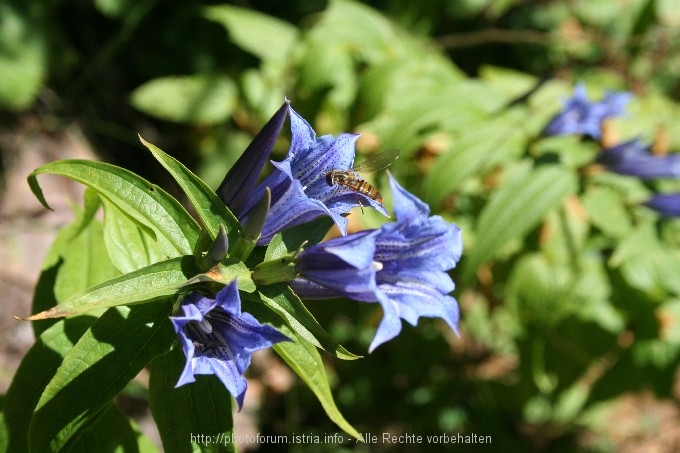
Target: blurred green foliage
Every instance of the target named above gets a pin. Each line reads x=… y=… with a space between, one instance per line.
x=570 y=291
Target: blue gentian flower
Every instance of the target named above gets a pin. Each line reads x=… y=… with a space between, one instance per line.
x=666 y=204
x=635 y=159
x=401 y=265
x=580 y=116
x=243 y=176
x=298 y=184
x=217 y=338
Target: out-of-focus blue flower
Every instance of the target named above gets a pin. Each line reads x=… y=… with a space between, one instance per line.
x=217 y=338
x=635 y=159
x=580 y=116
x=242 y=178
x=401 y=265
x=300 y=192
x=666 y=204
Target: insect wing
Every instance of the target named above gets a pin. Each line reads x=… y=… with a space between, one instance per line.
x=379 y=162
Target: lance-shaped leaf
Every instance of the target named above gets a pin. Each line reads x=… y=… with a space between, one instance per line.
x=154 y=282
x=76 y=260
x=262 y=35
x=112 y=430
x=111 y=353
x=169 y=223
x=127 y=244
x=306 y=361
x=202 y=407
x=34 y=373
x=282 y=301
x=224 y=273
x=515 y=208
x=210 y=209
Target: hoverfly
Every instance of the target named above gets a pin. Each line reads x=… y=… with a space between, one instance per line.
x=351 y=180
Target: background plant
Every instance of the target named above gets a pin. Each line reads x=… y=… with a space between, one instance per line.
x=569 y=288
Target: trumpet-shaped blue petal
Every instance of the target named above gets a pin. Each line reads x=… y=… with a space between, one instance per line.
x=217 y=338
x=581 y=116
x=243 y=176
x=402 y=266
x=635 y=159
x=342 y=265
x=666 y=204
x=300 y=192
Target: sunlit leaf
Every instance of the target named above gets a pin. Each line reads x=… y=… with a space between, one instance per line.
x=262 y=35
x=282 y=301
x=201 y=99
x=129 y=246
x=211 y=210
x=305 y=360
x=515 y=208
x=478 y=149
x=150 y=206
x=114 y=349
x=157 y=281
x=606 y=211
x=75 y=261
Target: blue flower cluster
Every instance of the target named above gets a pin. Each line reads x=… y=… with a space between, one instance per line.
x=633 y=158
x=402 y=266
x=581 y=116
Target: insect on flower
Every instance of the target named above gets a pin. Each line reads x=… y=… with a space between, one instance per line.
x=351 y=180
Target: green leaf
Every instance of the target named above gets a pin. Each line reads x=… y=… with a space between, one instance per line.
x=668 y=315
x=331 y=69
x=513 y=84
x=226 y=272
x=291 y=239
x=128 y=246
x=34 y=373
x=151 y=283
x=359 y=29
x=534 y=290
x=480 y=147
x=433 y=72
x=24 y=52
x=280 y=299
x=605 y=208
x=76 y=260
x=184 y=414
x=645 y=20
x=589 y=295
x=654 y=272
x=111 y=353
x=306 y=361
x=641 y=240
x=112 y=430
x=150 y=206
x=197 y=99
x=411 y=118
x=210 y=209
x=669 y=12
x=515 y=208
x=262 y=35
x=85 y=263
